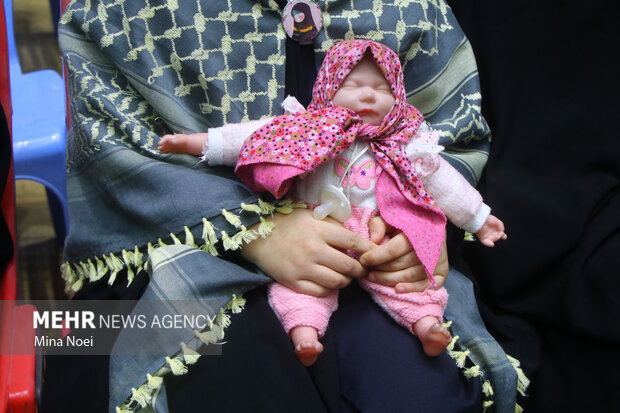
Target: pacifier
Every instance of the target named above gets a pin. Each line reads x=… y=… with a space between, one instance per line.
x=333 y=203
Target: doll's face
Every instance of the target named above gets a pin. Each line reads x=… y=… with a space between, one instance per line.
x=298 y=16
x=366 y=92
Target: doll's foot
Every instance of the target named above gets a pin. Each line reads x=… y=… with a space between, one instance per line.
x=308 y=352
x=433 y=335
x=180 y=143
x=307 y=345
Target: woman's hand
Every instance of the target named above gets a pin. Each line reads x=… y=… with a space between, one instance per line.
x=306 y=254
x=394 y=262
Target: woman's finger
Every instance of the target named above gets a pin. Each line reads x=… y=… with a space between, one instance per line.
x=396 y=247
x=405 y=261
x=378 y=229
x=309 y=288
x=391 y=278
x=338 y=236
x=328 y=278
x=418 y=286
x=341 y=263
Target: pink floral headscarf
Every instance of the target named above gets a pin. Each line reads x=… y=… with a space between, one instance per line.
x=292 y=145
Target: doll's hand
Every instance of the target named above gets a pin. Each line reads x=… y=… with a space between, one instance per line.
x=305 y=254
x=396 y=264
x=491 y=231
x=191 y=144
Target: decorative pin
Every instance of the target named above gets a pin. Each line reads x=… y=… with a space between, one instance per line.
x=302 y=20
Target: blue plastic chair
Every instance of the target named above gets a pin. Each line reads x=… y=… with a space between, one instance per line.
x=39 y=129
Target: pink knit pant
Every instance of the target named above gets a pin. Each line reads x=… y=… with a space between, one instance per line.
x=295 y=309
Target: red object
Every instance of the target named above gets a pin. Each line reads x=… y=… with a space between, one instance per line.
x=17 y=372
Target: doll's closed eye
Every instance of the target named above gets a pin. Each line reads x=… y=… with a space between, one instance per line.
x=348 y=84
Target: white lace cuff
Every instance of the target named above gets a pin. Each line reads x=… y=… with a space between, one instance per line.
x=292 y=105
x=213 y=149
x=478 y=220
x=423 y=150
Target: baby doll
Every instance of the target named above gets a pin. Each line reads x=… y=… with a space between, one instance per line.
x=358 y=134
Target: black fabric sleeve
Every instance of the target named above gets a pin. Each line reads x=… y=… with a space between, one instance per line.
x=550 y=293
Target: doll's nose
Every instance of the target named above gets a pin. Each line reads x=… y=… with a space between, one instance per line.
x=367 y=94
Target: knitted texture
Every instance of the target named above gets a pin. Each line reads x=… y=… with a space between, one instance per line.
x=408 y=308
x=460 y=201
x=295 y=309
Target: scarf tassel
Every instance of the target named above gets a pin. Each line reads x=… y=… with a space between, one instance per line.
x=94 y=269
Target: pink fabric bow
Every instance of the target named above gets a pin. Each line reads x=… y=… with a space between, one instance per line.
x=292 y=145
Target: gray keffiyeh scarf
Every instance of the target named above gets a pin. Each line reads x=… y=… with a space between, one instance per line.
x=139 y=69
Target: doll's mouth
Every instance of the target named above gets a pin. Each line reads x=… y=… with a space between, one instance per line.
x=366 y=112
